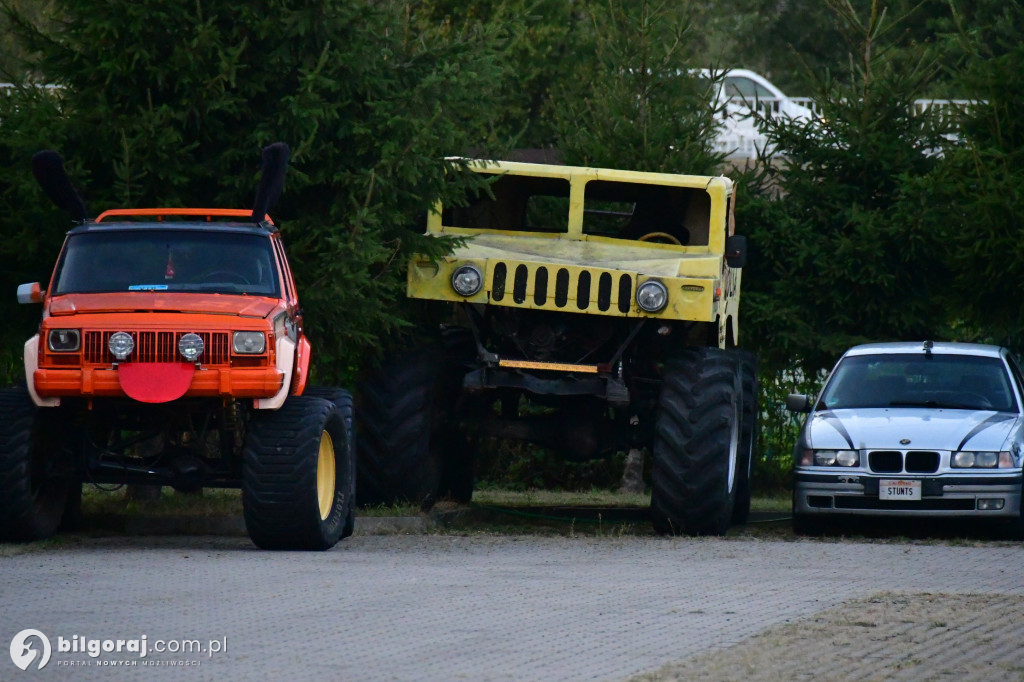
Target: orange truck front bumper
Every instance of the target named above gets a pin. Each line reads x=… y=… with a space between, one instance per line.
x=103 y=382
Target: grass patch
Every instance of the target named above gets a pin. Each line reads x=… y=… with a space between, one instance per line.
x=211 y=502
x=217 y=501
x=780 y=504
x=390 y=510
x=593 y=513
x=559 y=498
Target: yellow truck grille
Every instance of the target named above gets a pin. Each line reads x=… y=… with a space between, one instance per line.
x=153 y=346
x=541 y=286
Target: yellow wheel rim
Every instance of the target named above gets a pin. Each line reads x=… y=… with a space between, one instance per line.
x=325 y=475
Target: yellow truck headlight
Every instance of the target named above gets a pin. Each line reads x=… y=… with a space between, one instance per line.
x=652 y=296
x=467 y=280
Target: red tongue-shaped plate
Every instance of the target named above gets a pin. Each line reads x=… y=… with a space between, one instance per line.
x=155 y=382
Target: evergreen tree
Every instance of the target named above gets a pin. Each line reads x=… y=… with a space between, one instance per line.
x=975 y=192
x=168 y=104
x=836 y=260
x=638 y=103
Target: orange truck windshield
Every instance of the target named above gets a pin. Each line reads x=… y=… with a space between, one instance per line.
x=167 y=260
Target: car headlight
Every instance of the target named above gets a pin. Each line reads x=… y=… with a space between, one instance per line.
x=847 y=458
x=843 y=458
x=121 y=345
x=249 y=343
x=64 y=340
x=983 y=459
x=191 y=346
x=467 y=280
x=651 y=296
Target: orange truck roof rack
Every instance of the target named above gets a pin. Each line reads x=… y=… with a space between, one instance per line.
x=161 y=213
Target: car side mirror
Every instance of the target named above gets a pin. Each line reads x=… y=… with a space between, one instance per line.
x=736 y=251
x=30 y=293
x=798 y=402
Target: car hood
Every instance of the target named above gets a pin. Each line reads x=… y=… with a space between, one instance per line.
x=613 y=254
x=909 y=429
x=148 y=301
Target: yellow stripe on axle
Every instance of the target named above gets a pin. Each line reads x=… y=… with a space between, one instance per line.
x=552 y=366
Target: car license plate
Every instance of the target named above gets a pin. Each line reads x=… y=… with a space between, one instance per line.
x=899 y=490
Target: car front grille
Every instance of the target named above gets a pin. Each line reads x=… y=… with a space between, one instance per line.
x=885 y=462
x=153 y=346
x=896 y=461
x=922 y=462
x=561 y=288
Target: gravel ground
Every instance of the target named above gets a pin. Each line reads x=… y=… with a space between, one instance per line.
x=888 y=636
x=507 y=608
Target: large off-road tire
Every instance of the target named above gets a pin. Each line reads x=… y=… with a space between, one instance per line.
x=696 y=444
x=34 y=470
x=296 y=493
x=397 y=421
x=456 y=450
x=342 y=399
x=750 y=395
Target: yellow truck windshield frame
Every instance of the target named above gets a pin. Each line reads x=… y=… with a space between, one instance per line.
x=585 y=240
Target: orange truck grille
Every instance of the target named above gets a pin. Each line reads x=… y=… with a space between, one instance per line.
x=158 y=347
x=562 y=288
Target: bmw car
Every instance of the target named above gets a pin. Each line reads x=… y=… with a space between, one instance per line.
x=912 y=429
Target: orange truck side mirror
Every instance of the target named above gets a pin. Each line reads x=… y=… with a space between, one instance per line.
x=30 y=293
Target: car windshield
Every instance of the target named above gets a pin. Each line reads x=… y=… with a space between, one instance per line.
x=151 y=259
x=936 y=380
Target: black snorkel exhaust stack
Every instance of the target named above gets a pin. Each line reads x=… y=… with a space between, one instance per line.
x=272 y=172
x=48 y=169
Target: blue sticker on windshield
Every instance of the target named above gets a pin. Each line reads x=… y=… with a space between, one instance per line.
x=147 y=287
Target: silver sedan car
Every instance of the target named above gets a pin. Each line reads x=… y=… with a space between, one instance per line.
x=912 y=429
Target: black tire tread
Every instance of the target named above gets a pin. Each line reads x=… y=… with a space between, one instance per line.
x=25 y=517
x=457 y=451
x=279 y=475
x=342 y=400
x=692 y=437
x=748 y=436
x=396 y=400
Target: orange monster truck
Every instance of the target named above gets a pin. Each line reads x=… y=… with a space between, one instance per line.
x=171 y=352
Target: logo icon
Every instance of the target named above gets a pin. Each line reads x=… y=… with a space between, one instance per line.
x=904 y=441
x=22 y=652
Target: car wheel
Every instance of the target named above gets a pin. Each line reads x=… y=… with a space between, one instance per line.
x=696 y=445
x=342 y=400
x=296 y=492
x=34 y=478
x=748 y=436
x=397 y=427
x=456 y=451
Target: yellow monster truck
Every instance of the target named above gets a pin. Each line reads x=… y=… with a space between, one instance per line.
x=595 y=311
